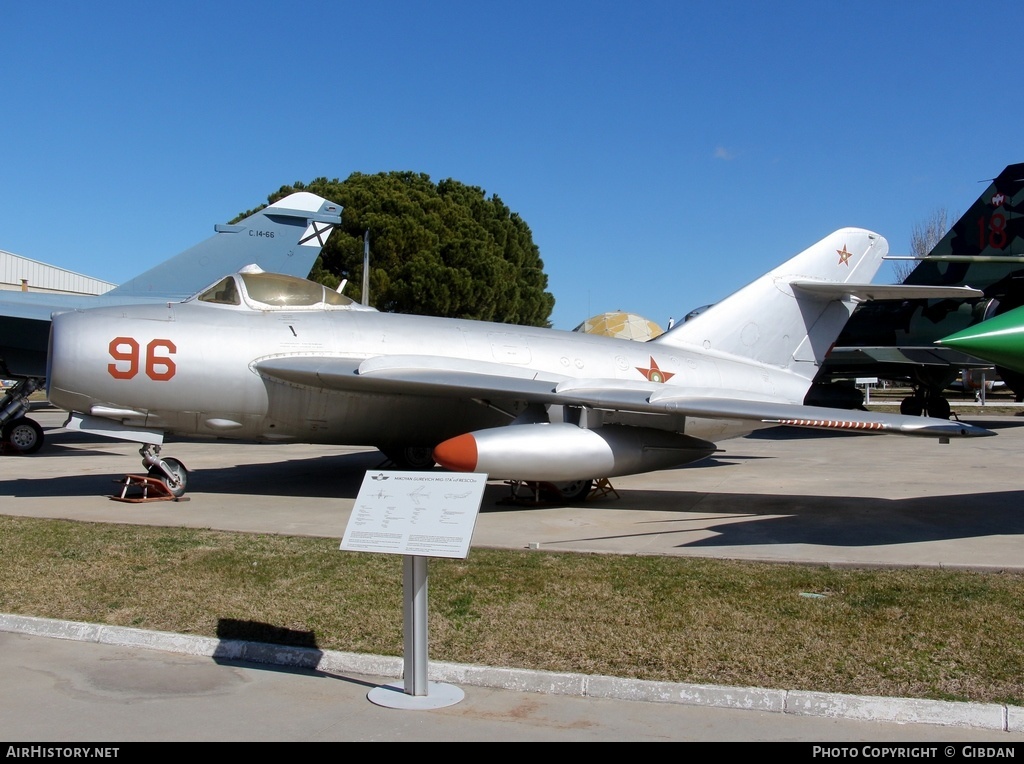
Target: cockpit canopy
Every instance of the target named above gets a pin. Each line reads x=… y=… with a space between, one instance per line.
x=260 y=290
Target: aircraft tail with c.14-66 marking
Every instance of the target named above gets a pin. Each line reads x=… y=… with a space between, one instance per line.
x=284 y=237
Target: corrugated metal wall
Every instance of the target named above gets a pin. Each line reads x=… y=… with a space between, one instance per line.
x=17 y=273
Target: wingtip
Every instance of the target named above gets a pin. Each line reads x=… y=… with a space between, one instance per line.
x=947 y=429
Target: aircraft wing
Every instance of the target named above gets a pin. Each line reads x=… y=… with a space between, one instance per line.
x=435 y=376
x=671 y=400
x=25 y=330
x=37 y=306
x=415 y=375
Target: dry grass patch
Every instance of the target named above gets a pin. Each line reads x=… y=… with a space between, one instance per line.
x=918 y=633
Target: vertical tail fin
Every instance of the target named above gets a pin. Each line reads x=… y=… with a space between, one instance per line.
x=789 y=317
x=285 y=237
x=993 y=227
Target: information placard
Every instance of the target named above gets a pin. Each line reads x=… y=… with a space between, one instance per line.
x=427 y=514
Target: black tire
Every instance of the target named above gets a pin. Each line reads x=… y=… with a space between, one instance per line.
x=24 y=434
x=938 y=408
x=180 y=473
x=413 y=458
x=911 y=406
x=570 y=492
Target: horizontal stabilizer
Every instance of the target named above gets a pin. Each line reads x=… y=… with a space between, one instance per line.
x=962 y=258
x=832 y=290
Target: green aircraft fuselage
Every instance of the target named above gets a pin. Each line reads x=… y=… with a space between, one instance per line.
x=999 y=340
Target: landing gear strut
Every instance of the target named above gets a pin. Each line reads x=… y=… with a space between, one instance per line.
x=571 y=492
x=544 y=493
x=169 y=471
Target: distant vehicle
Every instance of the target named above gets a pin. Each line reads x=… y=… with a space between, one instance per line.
x=286 y=236
x=285 y=360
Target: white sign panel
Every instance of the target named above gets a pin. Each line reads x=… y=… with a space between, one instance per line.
x=427 y=514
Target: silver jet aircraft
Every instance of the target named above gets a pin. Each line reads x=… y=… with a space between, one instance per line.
x=286 y=236
x=259 y=356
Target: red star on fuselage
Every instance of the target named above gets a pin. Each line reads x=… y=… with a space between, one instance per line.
x=844 y=256
x=654 y=374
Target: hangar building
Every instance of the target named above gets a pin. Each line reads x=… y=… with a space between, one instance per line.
x=19 y=273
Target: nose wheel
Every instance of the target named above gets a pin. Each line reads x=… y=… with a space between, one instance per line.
x=171 y=472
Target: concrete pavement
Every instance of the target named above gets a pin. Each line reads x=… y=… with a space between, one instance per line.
x=778 y=495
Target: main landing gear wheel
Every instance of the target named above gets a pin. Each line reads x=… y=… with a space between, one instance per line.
x=176 y=481
x=939 y=408
x=911 y=406
x=919 y=403
x=24 y=434
x=571 y=492
x=415 y=458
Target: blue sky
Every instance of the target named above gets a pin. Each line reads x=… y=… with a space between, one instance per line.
x=662 y=153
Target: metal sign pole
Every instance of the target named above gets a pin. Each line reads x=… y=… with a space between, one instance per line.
x=414 y=583
x=415 y=514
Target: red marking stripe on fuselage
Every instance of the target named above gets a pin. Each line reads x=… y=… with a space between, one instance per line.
x=833 y=424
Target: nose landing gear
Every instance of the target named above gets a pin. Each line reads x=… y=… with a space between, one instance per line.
x=165 y=479
x=170 y=472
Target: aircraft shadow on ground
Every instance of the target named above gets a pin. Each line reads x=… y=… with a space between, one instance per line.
x=732 y=519
x=744 y=520
x=330 y=477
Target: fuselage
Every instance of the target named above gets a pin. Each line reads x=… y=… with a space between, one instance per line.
x=191 y=369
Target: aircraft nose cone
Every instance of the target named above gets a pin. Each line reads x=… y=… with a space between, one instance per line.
x=999 y=340
x=458 y=454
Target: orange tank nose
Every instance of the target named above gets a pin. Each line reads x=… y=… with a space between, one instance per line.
x=458 y=453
